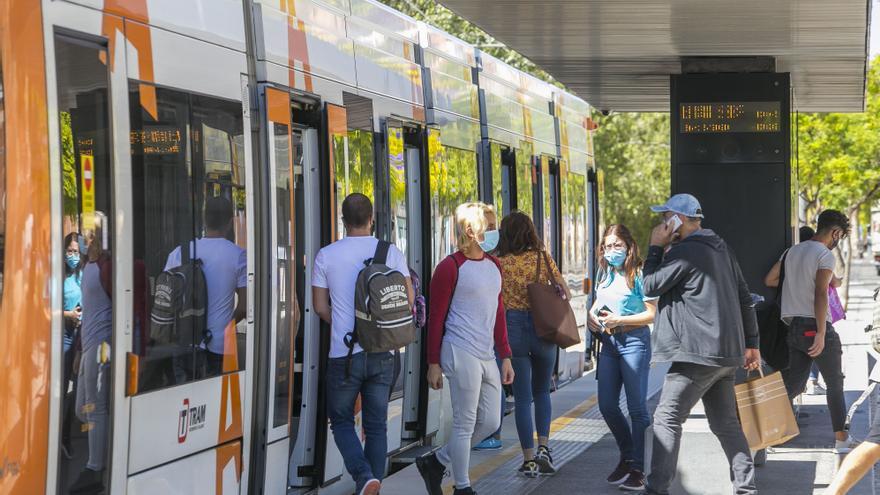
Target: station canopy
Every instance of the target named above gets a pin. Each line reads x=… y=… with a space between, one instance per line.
x=618 y=54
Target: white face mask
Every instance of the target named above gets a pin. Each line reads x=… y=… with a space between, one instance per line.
x=490 y=240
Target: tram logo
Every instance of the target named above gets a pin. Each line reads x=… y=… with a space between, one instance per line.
x=190 y=419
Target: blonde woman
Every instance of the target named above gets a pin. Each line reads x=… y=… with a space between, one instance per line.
x=466 y=321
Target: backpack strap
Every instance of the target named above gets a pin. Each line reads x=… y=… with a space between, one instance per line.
x=781 y=278
x=381 y=255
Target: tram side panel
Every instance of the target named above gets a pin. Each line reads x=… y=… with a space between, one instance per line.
x=176 y=139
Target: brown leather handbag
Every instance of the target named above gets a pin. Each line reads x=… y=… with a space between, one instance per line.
x=551 y=310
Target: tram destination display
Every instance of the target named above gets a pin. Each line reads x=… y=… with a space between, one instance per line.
x=724 y=117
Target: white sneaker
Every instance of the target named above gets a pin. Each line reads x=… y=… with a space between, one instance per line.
x=813 y=388
x=845 y=446
x=371 y=487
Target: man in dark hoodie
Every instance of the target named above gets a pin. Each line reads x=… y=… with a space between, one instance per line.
x=706 y=328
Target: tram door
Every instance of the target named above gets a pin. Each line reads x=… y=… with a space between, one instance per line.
x=89 y=248
x=404 y=151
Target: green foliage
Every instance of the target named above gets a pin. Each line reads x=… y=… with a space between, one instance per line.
x=70 y=203
x=838 y=159
x=632 y=150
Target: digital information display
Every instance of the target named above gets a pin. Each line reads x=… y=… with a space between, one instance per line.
x=721 y=117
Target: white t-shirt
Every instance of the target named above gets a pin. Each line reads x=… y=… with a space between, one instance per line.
x=470 y=322
x=336 y=268
x=799 y=287
x=225 y=266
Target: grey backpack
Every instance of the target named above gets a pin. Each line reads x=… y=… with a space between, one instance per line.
x=383 y=316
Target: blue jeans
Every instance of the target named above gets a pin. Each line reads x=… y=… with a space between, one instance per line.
x=370 y=377
x=533 y=361
x=625 y=361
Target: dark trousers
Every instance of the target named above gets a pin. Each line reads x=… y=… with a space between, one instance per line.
x=370 y=377
x=687 y=383
x=829 y=362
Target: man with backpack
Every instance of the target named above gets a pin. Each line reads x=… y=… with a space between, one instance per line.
x=222 y=264
x=362 y=289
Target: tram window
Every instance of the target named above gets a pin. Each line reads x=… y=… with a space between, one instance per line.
x=453 y=179
x=547 y=203
x=354 y=164
x=2 y=181
x=87 y=303
x=287 y=310
x=495 y=153
x=397 y=185
x=189 y=203
x=525 y=179
x=574 y=228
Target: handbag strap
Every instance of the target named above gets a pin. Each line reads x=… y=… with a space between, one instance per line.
x=549 y=271
x=543 y=254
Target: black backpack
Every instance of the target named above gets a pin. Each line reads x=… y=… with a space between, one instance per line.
x=179 y=312
x=383 y=316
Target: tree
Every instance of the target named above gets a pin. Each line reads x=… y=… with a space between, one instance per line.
x=838 y=163
x=632 y=150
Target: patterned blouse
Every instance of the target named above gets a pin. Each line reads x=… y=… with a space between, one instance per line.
x=518 y=271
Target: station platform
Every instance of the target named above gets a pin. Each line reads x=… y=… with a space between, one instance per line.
x=585 y=452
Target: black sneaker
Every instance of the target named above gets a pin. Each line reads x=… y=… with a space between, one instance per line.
x=544 y=461
x=530 y=469
x=89 y=481
x=432 y=471
x=635 y=482
x=620 y=473
x=464 y=491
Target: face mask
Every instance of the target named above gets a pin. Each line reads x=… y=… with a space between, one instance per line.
x=490 y=240
x=615 y=258
x=72 y=261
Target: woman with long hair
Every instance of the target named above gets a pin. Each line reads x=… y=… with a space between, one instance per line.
x=72 y=312
x=620 y=316
x=465 y=323
x=521 y=253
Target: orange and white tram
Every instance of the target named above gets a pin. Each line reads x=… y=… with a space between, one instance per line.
x=120 y=120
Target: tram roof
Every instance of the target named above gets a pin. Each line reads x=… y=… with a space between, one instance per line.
x=618 y=54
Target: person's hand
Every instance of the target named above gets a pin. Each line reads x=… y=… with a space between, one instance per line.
x=818 y=344
x=753 y=359
x=435 y=376
x=662 y=235
x=506 y=372
x=593 y=322
x=610 y=320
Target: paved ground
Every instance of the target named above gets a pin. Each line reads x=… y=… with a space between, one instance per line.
x=586 y=451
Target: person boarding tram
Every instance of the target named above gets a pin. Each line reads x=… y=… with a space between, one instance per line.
x=465 y=321
x=520 y=251
x=706 y=327
x=368 y=375
x=72 y=307
x=620 y=316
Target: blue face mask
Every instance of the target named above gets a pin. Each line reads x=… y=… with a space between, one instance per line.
x=615 y=258
x=490 y=240
x=72 y=261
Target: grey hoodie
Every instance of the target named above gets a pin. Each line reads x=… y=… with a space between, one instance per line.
x=706 y=313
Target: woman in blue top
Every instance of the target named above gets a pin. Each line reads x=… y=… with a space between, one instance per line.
x=620 y=317
x=72 y=307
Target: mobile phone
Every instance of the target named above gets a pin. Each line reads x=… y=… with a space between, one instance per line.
x=674 y=223
x=604 y=309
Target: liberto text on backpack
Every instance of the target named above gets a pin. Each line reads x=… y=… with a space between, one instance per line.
x=179 y=313
x=383 y=317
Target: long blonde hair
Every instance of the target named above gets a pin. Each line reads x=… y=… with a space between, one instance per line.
x=474 y=215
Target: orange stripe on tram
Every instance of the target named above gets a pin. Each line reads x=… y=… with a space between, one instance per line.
x=25 y=308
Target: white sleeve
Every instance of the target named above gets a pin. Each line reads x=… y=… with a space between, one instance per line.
x=241 y=270
x=173 y=260
x=827 y=261
x=397 y=260
x=319 y=277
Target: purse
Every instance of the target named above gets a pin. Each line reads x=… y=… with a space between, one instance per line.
x=551 y=310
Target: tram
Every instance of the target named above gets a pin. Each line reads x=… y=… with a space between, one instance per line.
x=121 y=119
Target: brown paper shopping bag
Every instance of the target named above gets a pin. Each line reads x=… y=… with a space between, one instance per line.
x=765 y=411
